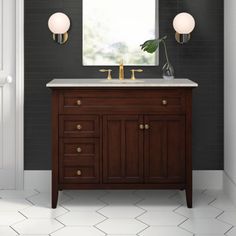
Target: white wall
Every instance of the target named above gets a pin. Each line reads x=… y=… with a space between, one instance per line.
x=230 y=97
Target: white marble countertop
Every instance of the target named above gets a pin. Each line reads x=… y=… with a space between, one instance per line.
x=80 y=83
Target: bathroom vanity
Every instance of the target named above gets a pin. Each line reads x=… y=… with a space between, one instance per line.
x=121 y=135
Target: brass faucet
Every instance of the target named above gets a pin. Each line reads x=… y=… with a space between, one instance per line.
x=121 y=71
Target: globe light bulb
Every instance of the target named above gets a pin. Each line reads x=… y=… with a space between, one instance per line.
x=59 y=23
x=184 y=23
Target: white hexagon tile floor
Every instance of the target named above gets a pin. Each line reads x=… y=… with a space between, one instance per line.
x=116 y=213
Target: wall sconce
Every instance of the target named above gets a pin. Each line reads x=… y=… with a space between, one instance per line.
x=183 y=24
x=59 y=24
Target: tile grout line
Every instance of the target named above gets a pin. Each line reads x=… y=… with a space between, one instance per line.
x=23 y=214
x=183 y=222
x=141 y=231
x=63 y=226
x=186 y=229
x=30 y=201
x=67 y=211
x=143 y=213
x=143 y=223
x=95 y=226
x=14 y=230
x=106 y=218
x=220 y=214
x=228 y=230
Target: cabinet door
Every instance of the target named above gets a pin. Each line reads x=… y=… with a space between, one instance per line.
x=122 y=149
x=164 y=151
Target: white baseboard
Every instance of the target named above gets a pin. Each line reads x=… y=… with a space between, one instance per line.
x=208 y=179
x=41 y=180
x=38 y=179
x=229 y=187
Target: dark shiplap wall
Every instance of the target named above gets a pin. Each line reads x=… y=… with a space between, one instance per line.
x=200 y=60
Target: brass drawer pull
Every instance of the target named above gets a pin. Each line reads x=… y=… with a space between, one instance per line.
x=141 y=126
x=147 y=126
x=79 y=102
x=79 y=127
x=79 y=172
x=79 y=150
x=164 y=102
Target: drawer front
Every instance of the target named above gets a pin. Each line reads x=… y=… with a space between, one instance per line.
x=79 y=174
x=79 y=126
x=166 y=101
x=78 y=151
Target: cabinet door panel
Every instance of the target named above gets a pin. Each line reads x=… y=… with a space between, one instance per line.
x=122 y=149
x=165 y=149
x=113 y=151
x=176 y=148
x=155 y=149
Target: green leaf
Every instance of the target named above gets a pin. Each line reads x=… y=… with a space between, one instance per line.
x=150 y=46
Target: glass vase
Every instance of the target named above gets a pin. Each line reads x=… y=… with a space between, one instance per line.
x=168 y=71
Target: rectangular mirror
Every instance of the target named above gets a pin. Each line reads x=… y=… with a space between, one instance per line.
x=114 y=30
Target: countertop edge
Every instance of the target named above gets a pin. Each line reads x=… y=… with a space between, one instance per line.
x=95 y=83
x=122 y=86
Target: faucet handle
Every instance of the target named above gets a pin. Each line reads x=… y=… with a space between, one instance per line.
x=133 y=73
x=109 y=73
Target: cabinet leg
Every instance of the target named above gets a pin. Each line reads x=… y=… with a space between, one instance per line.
x=189 y=197
x=54 y=198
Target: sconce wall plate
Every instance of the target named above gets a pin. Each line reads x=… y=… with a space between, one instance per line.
x=60 y=38
x=182 y=38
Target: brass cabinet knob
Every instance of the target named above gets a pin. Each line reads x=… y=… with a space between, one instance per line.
x=79 y=102
x=79 y=150
x=79 y=127
x=79 y=172
x=164 y=102
x=141 y=126
x=147 y=126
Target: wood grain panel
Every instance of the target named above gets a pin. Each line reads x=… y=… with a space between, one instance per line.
x=122 y=149
x=176 y=149
x=155 y=154
x=112 y=151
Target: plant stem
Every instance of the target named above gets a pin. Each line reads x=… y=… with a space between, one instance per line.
x=166 y=53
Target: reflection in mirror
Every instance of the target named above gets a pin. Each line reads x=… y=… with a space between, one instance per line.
x=114 y=29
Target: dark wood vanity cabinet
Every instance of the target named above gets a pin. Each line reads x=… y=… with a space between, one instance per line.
x=121 y=138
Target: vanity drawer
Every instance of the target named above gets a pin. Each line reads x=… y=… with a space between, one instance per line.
x=79 y=174
x=166 y=101
x=79 y=151
x=79 y=126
